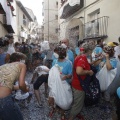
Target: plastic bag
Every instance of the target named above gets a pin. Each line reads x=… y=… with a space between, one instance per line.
x=106 y=77
x=116 y=82
x=19 y=95
x=59 y=90
x=45 y=45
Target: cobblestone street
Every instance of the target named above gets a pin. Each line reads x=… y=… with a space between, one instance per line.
x=31 y=112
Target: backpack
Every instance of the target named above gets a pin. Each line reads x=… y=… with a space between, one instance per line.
x=91 y=87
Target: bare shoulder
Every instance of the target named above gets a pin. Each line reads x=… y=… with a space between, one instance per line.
x=22 y=65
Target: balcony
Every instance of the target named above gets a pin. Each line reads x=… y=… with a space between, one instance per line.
x=96 y=28
x=70 y=8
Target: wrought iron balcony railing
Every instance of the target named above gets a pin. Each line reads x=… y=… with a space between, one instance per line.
x=96 y=28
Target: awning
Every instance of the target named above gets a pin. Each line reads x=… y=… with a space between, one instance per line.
x=10 y=21
x=70 y=8
x=74 y=2
x=1 y=9
x=9 y=28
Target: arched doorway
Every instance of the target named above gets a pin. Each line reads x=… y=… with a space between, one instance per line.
x=74 y=31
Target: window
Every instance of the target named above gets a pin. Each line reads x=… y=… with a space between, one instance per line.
x=56 y=17
x=56 y=4
x=24 y=17
x=42 y=27
x=94 y=15
x=56 y=30
x=24 y=20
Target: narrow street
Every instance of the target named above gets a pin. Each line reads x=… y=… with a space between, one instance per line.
x=31 y=112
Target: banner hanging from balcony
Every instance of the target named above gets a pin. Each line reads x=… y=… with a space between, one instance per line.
x=74 y=2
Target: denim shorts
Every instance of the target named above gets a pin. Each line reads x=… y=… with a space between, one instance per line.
x=9 y=110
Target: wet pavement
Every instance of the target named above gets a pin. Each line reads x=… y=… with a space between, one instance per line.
x=31 y=112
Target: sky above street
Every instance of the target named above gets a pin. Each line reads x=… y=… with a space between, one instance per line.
x=36 y=6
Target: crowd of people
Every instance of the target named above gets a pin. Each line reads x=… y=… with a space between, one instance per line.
x=73 y=68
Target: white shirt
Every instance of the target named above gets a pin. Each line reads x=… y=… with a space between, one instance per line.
x=11 y=49
x=41 y=70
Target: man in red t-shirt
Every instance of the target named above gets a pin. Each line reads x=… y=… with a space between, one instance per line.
x=82 y=68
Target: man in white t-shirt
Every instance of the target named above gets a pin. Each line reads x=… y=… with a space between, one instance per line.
x=42 y=73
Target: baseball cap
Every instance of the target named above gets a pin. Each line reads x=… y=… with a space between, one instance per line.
x=111 y=44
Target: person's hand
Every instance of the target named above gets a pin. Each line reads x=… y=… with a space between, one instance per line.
x=64 y=77
x=91 y=72
x=107 y=56
x=27 y=89
x=31 y=82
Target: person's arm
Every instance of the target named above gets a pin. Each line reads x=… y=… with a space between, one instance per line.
x=22 y=84
x=66 y=77
x=96 y=62
x=81 y=71
x=16 y=87
x=108 y=65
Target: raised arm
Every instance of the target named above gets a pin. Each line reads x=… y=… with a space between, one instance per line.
x=22 y=84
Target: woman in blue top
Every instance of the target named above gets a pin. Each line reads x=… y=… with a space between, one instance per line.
x=111 y=63
x=65 y=70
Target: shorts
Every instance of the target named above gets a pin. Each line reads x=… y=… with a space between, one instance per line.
x=40 y=80
x=78 y=102
x=9 y=110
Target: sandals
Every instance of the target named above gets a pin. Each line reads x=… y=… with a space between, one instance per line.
x=80 y=117
x=63 y=117
x=51 y=113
